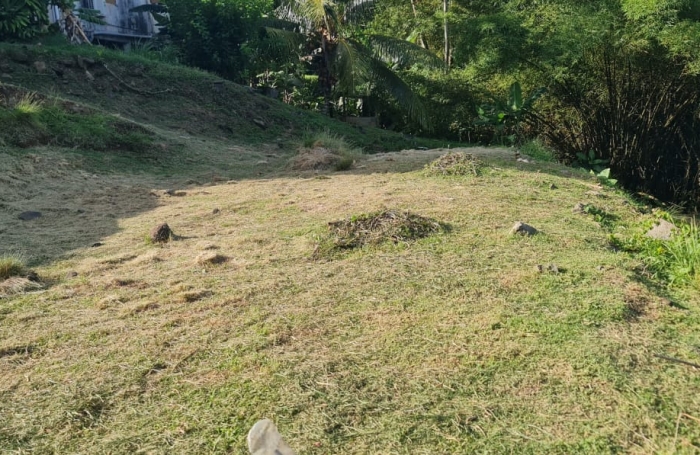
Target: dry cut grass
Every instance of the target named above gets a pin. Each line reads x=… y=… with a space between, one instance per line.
x=452 y=343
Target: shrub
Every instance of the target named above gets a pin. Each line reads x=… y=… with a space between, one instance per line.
x=22 y=19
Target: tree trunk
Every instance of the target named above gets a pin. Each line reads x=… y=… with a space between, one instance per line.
x=445 y=9
x=421 y=43
x=325 y=78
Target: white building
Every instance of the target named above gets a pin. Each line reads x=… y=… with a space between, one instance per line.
x=122 y=27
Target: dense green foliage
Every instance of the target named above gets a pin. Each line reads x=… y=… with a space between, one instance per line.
x=615 y=80
x=22 y=18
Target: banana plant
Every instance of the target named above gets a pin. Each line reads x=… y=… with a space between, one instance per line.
x=506 y=115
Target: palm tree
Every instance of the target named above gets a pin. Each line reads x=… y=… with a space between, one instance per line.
x=327 y=34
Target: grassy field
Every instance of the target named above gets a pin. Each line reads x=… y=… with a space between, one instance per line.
x=454 y=343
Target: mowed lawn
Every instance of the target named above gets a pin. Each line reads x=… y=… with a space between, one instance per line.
x=455 y=343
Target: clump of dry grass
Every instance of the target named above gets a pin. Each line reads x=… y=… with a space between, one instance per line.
x=209 y=257
x=11 y=265
x=18 y=285
x=325 y=151
x=375 y=228
x=455 y=164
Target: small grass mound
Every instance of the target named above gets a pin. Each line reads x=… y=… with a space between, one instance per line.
x=375 y=228
x=455 y=164
x=324 y=151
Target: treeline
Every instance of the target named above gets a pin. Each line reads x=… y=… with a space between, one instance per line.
x=600 y=81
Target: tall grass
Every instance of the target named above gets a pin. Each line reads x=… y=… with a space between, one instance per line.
x=27 y=106
x=11 y=265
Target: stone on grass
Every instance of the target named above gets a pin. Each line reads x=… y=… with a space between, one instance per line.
x=40 y=66
x=264 y=439
x=523 y=229
x=662 y=231
x=28 y=216
x=161 y=233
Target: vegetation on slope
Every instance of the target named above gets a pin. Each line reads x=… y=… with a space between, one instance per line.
x=466 y=340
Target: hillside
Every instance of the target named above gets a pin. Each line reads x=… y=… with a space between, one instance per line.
x=466 y=340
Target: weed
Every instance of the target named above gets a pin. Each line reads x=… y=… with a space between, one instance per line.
x=28 y=106
x=344 y=164
x=605 y=219
x=11 y=265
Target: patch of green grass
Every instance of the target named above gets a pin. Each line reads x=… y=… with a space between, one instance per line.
x=538 y=151
x=11 y=265
x=676 y=261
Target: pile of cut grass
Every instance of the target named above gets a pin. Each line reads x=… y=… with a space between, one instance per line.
x=379 y=227
x=455 y=164
x=326 y=150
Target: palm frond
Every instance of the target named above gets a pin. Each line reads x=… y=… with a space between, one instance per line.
x=286 y=40
x=358 y=10
x=351 y=65
x=407 y=98
x=403 y=53
x=291 y=12
x=314 y=10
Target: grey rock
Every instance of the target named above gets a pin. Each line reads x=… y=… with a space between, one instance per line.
x=260 y=123
x=523 y=229
x=662 y=231
x=40 y=66
x=264 y=439
x=28 y=216
x=71 y=274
